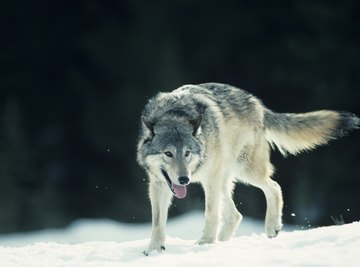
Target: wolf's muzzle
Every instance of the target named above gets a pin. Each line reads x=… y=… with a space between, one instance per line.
x=178 y=190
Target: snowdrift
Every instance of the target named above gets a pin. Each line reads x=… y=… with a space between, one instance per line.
x=76 y=246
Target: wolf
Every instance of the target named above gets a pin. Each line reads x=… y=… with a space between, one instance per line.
x=216 y=135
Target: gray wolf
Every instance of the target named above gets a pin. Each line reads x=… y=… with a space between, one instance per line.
x=216 y=135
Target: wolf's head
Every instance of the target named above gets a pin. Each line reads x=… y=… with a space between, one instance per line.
x=171 y=150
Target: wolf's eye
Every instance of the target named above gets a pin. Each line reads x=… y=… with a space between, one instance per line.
x=187 y=153
x=169 y=154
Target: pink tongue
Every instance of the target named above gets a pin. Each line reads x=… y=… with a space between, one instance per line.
x=180 y=190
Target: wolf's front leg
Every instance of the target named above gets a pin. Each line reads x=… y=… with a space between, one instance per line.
x=160 y=198
x=212 y=213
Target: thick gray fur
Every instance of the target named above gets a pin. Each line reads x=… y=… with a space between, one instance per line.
x=216 y=134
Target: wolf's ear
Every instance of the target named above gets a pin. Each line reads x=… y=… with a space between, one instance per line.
x=149 y=125
x=196 y=122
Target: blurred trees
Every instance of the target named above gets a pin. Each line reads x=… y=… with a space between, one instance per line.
x=75 y=76
x=19 y=184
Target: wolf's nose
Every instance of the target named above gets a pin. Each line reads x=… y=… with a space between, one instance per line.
x=184 y=180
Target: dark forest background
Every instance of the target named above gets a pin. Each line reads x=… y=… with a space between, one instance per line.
x=75 y=75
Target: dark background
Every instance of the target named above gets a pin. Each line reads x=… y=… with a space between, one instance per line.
x=75 y=75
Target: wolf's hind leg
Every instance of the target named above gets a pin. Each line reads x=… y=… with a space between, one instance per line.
x=274 y=205
x=274 y=202
x=231 y=217
x=257 y=171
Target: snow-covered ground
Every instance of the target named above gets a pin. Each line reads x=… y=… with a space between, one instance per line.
x=107 y=243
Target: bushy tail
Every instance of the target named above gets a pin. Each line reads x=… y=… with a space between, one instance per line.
x=293 y=133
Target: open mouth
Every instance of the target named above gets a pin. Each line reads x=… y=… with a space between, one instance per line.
x=178 y=190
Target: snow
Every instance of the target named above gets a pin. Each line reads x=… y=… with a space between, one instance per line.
x=108 y=243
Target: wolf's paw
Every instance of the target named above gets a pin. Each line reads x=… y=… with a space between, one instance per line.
x=229 y=227
x=272 y=230
x=152 y=248
x=204 y=241
x=225 y=236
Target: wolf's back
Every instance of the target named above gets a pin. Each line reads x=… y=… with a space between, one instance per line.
x=293 y=133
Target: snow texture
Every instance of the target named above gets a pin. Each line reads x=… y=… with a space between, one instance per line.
x=107 y=243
